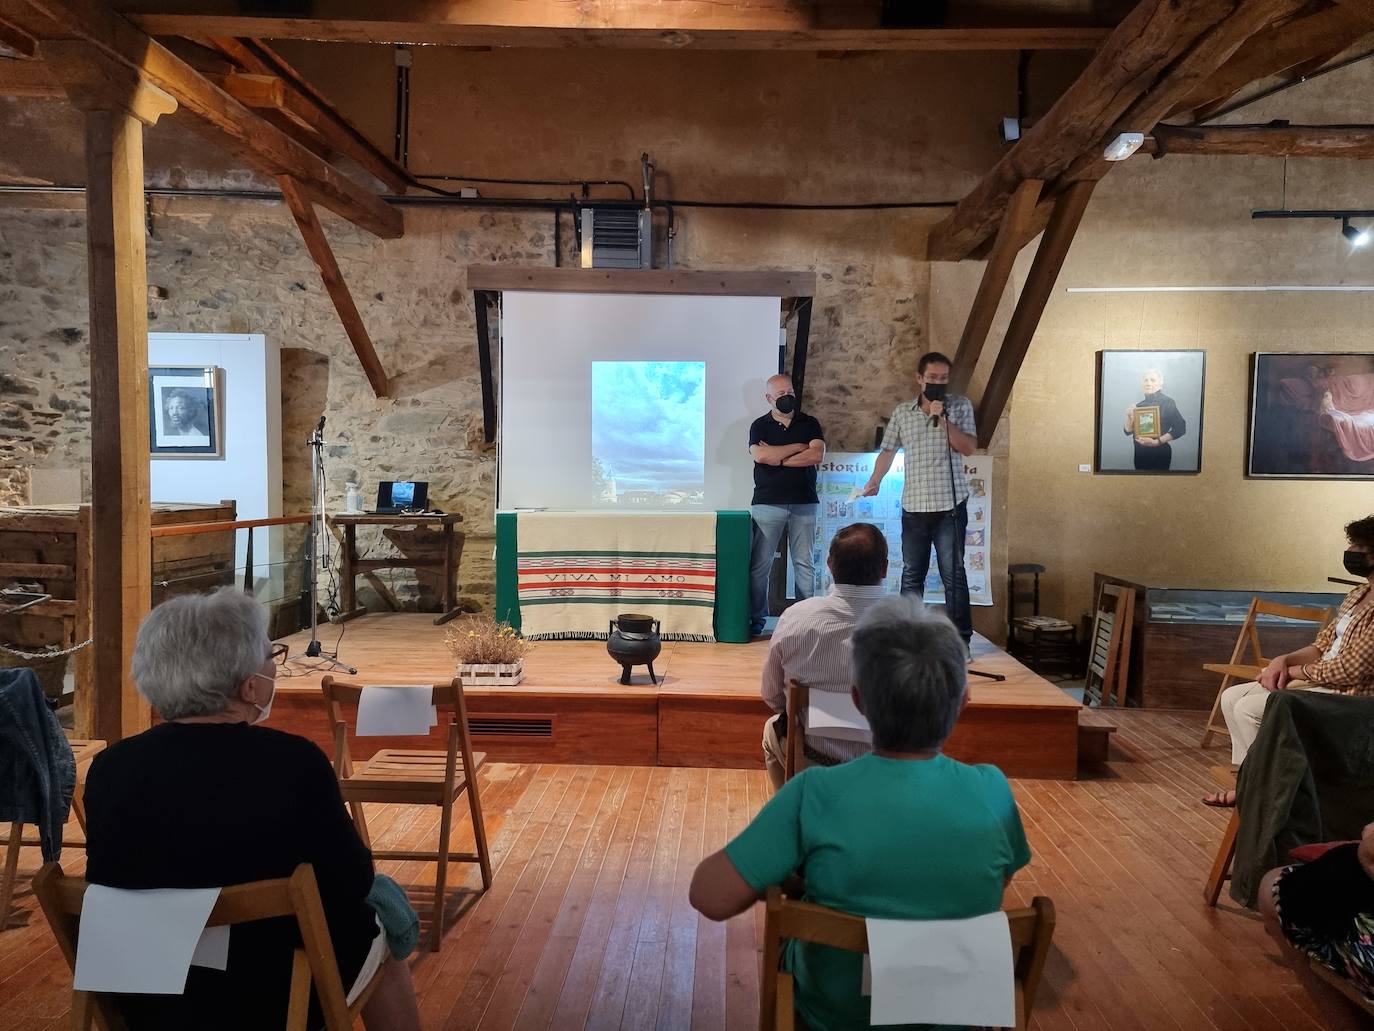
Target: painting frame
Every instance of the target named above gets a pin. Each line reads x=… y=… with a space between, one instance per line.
x=1119 y=374
x=186 y=412
x=1290 y=434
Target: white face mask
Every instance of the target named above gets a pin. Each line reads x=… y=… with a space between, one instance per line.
x=263 y=710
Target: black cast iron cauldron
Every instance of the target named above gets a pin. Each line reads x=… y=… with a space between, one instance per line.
x=634 y=641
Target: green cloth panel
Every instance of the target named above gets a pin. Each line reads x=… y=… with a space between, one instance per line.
x=507 y=573
x=733 y=532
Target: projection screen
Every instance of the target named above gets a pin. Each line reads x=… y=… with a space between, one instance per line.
x=631 y=401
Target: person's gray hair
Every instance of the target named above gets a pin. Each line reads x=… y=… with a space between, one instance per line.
x=193 y=652
x=910 y=668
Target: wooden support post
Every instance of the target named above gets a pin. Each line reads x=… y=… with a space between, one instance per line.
x=117 y=105
x=303 y=211
x=1012 y=235
x=1049 y=259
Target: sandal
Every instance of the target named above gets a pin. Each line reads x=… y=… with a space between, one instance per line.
x=1220 y=799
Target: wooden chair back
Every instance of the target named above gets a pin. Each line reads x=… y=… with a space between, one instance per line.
x=297 y=896
x=341 y=700
x=1019 y=595
x=1109 y=646
x=1247 y=657
x=787 y=919
x=798 y=697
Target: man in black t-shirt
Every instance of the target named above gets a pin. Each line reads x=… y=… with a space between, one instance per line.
x=786 y=446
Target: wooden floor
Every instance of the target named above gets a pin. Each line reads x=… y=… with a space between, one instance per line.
x=587 y=924
x=705 y=710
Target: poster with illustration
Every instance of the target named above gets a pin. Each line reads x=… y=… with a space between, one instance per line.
x=842 y=472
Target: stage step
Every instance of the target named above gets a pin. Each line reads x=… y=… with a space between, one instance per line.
x=1094 y=737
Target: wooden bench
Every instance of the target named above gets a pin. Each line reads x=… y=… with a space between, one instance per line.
x=1094 y=737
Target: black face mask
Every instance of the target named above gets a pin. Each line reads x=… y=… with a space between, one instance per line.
x=1357 y=563
x=936 y=391
x=787 y=404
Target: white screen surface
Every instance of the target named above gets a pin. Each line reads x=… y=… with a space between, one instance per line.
x=631 y=401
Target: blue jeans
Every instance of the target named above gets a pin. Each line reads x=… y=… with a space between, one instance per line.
x=946 y=531
x=769 y=523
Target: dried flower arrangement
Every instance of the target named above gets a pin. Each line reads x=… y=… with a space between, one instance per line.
x=480 y=640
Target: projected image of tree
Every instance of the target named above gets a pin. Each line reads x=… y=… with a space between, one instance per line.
x=648 y=433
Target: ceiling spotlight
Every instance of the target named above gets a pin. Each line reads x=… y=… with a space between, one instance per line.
x=1357 y=237
x=1125 y=144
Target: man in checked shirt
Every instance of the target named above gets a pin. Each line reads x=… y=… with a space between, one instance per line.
x=1339 y=661
x=935 y=430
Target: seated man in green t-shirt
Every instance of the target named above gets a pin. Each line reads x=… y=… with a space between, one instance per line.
x=904 y=833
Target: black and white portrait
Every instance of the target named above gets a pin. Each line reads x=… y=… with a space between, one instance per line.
x=184 y=412
x=1149 y=411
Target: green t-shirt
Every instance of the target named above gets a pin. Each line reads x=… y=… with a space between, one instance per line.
x=901 y=839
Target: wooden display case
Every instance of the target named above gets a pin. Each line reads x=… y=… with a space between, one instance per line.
x=49 y=547
x=1176 y=630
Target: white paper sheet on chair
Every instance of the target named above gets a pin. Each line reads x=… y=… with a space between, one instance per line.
x=213 y=948
x=140 y=941
x=942 y=971
x=396 y=711
x=834 y=714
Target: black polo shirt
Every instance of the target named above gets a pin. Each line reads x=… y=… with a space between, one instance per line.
x=780 y=484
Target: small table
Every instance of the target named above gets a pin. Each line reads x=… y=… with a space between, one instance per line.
x=353 y=566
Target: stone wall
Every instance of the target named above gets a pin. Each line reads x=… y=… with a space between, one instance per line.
x=238 y=266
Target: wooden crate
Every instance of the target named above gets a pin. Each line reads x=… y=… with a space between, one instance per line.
x=50 y=547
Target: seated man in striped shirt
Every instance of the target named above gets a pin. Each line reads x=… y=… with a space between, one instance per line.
x=811 y=644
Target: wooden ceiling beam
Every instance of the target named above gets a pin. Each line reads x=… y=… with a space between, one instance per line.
x=16 y=41
x=298 y=201
x=1209 y=51
x=637 y=24
x=1139 y=52
x=1278 y=140
x=1049 y=260
x=1277 y=49
x=1012 y=235
x=306 y=106
x=220 y=117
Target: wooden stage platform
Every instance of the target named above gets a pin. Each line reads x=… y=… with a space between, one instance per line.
x=705 y=711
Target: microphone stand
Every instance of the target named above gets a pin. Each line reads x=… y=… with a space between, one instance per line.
x=315 y=534
x=959 y=539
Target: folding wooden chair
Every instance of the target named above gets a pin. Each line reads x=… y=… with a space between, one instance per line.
x=1109 y=647
x=295 y=896
x=797 y=698
x=1226 y=851
x=1031 y=931
x=1242 y=668
x=83 y=751
x=414 y=777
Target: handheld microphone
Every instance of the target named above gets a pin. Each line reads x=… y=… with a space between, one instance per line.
x=320 y=427
x=934 y=392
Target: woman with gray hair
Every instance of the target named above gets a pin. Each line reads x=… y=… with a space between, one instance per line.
x=210 y=798
x=904 y=833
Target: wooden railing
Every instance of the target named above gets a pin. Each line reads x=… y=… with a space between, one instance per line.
x=187 y=529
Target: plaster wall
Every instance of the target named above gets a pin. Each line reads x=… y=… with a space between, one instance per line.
x=1185 y=221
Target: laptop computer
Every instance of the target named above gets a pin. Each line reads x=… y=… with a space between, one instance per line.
x=395 y=496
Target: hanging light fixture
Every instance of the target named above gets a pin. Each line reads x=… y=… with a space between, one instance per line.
x=1357 y=237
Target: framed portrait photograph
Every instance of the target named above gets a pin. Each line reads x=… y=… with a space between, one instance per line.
x=186 y=411
x=1311 y=416
x=1149 y=411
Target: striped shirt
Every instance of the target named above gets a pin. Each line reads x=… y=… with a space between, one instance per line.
x=811 y=646
x=929 y=458
x=1347 y=662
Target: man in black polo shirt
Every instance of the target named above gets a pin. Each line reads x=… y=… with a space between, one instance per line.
x=786 y=446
